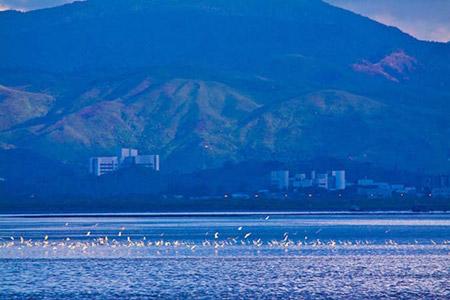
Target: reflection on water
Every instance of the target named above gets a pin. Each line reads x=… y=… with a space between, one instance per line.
x=338 y=256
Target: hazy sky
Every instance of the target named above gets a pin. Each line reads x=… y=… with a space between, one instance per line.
x=30 y=4
x=424 y=19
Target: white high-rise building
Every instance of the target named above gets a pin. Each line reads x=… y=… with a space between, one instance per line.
x=103 y=165
x=339 y=179
x=127 y=155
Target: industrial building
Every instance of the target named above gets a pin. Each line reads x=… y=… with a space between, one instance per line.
x=333 y=180
x=102 y=165
x=129 y=156
x=99 y=166
x=148 y=161
x=330 y=180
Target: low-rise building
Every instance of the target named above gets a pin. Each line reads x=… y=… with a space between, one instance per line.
x=240 y=196
x=398 y=188
x=442 y=192
x=437 y=181
x=322 y=181
x=365 y=182
x=375 y=190
x=300 y=182
x=148 y=161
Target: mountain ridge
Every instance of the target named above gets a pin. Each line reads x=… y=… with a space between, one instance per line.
x=202 y=82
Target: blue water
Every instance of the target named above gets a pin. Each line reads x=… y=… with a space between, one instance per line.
x=226 y=257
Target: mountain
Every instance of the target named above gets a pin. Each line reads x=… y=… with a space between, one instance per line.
x=206 y=81
x=333 y=123
x=178 y=116
x=17 y=107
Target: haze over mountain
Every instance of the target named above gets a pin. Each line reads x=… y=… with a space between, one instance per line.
x=205 y=81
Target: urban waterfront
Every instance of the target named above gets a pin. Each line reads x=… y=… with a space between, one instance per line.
x=226 y=256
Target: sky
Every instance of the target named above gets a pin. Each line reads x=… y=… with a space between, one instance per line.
x=424 y=19
x=30 y=4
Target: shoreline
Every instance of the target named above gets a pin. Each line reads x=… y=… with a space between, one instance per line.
x=215 y=214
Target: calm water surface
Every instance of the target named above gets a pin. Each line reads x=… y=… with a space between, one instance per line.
x=226 y=257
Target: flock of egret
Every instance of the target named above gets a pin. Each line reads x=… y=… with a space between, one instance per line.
x=241 y=239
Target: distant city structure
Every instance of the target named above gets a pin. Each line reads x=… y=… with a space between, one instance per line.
x=102 y=165
x=128 y=155
x=332 y=180
x=339 y=181
x=283 y=185
x=300 y=181
x=321 y=181
x=380 y=190
x=280 y=179
x=437 y=186
x=286 y=184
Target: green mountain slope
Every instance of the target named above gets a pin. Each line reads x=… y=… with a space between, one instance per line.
x=339 y=124
x=204 y=81
x=17 y=106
